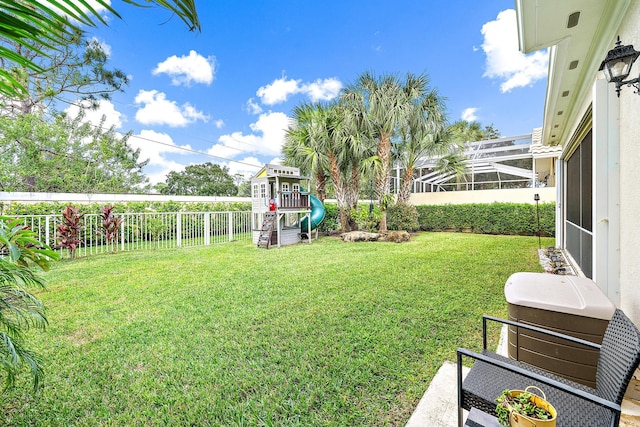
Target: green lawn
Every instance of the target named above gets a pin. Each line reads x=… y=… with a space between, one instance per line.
x=328 y=333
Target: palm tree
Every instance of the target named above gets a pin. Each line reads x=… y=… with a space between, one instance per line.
x=385 y=103
x=463 y=131
x=325 y=143
x=20 y=252
x=30 y=23
x=353 y=145
x=453 y=165
x=421 y=135
x=301 y=147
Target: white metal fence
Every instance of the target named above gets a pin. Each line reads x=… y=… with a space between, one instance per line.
x=148 y=230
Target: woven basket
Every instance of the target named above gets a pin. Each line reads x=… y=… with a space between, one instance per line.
x=519 y=420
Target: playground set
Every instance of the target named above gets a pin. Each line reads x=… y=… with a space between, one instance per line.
x=283 y=213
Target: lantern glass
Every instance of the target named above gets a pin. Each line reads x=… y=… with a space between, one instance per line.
x=617 y=70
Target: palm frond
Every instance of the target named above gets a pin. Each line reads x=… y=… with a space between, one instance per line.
x=31 y=23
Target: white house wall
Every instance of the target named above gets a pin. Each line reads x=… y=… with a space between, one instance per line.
x=630 y=176
x=511 y=195
x=606 y=190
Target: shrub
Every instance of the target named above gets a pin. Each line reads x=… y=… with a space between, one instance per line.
x=402 y=217
x=69 y=230
x=494 y=218
x=20 y=252
x=53 y=208
x=331 y=220
x=366 y=220
x=110 y=226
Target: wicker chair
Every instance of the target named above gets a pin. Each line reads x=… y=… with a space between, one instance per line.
x=577 y=404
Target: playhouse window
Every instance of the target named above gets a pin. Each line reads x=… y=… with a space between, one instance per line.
x=255 y=191
x=296 y=187
x=285 y=187
x=263 y=190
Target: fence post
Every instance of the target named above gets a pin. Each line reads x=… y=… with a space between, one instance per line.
x=179 y=229
x=207 y=228
x=124 y=219
x=230 y=226
x=46 y=230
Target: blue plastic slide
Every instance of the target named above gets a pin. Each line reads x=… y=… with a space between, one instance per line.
x=317 y=215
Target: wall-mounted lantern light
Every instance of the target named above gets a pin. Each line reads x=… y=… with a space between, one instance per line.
x=617 y=66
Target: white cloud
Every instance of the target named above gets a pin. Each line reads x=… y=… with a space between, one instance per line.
x=278 y=91
x=253 y=107
x=219 y=123
x=504 y=60
x=157 y=110
x=244 y=167
x=281 y=89
x=469 y=114
x=100 y=9
x=97 y=6
x=105 y=108
x=159 y=165
x=322 y=90
x=267 y=138
x=188 y=69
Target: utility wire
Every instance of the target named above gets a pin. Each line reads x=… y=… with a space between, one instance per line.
x=191 y=150
x=174 y=146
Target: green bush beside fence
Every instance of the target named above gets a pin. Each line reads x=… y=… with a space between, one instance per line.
x=54 y=208
x=494 y=218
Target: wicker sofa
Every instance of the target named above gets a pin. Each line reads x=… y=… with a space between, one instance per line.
x=577 y=404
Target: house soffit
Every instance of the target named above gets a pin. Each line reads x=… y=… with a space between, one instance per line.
x=577 y=46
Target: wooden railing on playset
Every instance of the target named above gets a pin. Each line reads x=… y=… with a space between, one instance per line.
x=293 y=199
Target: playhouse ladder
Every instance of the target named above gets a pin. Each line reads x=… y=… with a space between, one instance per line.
x=264 y=241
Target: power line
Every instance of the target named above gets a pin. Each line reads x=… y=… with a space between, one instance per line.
x=191 y=150
x=199 y=137
x=174 y=146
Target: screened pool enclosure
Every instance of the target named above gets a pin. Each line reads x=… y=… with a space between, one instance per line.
x=504 y=163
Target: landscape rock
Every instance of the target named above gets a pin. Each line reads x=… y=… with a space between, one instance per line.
x=396 y=236
x=359 y=236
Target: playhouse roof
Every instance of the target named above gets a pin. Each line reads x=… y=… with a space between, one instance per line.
x=272 y=170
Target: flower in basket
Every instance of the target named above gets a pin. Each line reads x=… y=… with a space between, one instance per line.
x=522 y=408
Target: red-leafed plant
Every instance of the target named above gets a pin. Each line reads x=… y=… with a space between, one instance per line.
x=69 y=230
x=110 y=226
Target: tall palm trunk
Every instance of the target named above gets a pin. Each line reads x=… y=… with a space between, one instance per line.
x=404 y=192
x=383 y=176
x=341 y=196
x=352 y=193
x=321 y=182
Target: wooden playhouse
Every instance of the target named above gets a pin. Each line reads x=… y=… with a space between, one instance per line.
x=281 y=207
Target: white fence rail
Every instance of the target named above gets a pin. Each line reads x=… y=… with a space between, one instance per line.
x=146 y=230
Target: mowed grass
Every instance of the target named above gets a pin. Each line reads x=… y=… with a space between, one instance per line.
x=321 y=334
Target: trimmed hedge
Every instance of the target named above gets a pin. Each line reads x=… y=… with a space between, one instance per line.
x=402 y=217
x=494 y=218
x=54 y=208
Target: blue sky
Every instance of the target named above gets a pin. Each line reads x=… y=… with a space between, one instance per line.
x=228 y=91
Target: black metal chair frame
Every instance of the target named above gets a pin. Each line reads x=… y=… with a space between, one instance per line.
x=577 y=392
